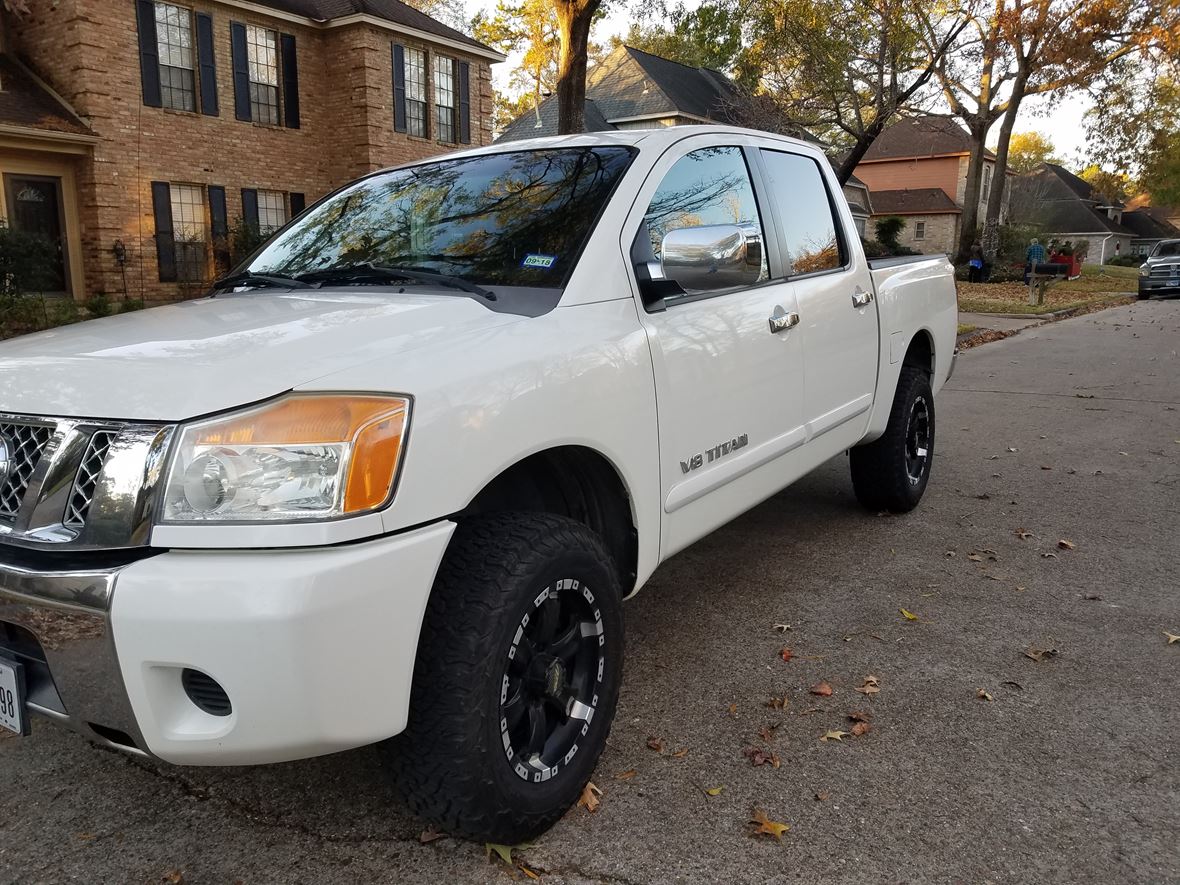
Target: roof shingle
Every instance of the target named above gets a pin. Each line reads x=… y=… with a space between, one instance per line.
x=390 y=10
x=26 y=102
x=526 y=125
x=913 y=201
x=920 y=137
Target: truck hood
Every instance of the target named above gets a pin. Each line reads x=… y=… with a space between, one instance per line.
x=198 y=357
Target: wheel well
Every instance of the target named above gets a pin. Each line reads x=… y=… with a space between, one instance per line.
x=572 y=481
x=921 y=352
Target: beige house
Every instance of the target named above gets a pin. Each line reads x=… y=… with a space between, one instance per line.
x=136 y=134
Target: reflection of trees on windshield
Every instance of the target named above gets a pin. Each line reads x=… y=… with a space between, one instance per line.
x=477 y=217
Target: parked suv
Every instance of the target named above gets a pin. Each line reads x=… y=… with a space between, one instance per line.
x=1160 y=273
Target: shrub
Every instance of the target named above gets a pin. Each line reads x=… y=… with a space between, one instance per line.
x=1125 y=260
x=26 y=262
x=889 y=229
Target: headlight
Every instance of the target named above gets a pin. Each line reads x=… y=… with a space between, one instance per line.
x=305 y=457
x=1144 y=270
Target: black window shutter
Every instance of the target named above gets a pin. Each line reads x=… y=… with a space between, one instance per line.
x=207 y=65
x=399 y=88
x=290 y=81
x=165 y=244
x=149 y=53
x=219 y=227
x=464 y=81
x=250 y=207
x=298 y=203
x=237 y=46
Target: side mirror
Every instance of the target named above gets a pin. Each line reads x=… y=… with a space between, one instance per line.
x=712 y=257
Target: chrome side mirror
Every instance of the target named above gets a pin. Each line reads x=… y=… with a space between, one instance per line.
x=712 y=257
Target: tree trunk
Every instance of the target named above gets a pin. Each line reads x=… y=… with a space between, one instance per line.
x=995 y=199
x=861 y=148
x=978 y=127
x=574 y=18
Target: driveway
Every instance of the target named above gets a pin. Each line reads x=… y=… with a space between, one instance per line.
x=1067 y=769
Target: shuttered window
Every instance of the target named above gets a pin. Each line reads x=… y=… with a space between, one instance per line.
x=444 y=98
x=174 y=46
x=262 y=55
x=190 y=231
x=272 y=212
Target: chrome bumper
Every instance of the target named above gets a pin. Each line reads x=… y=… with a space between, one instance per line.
x=57 y=623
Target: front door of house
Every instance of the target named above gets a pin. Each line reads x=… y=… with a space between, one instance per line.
x=35 y=207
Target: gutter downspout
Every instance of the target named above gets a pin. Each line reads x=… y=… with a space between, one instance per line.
x=1102 y=259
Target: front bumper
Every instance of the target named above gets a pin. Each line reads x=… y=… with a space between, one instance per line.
x=1157 y=286
x=313 y=647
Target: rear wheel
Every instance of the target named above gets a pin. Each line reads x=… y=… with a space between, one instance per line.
x=891 y=472
x=516 y=678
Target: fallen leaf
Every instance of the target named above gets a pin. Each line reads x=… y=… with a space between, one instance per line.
x=1123 y=453
x=428 y=835
x=1045 y=467
x=733 y=709
x=766 y=826
x=786 y=654
x=714 y=791
x=681 y=753
x=504 y=852
x=908 y=615
x=1172 y=637
x=950 y=553
x=173 y=876
x=589 y=799
x=1093 y=597
x=974 y=557
x=1021 y=589
x=1040 y=654
x=1065 y=545
x=821 y=796
x=872 y=685
x=626 y=775
x=1011 y=449
x=811 y=711
x=861 y=728
x=778 y=703
x=86 y=837
x=834 y=736
x=1048 y=555
x=822 y=689
x=655 y=743
x=1014 y=684
x=759 y=756
x=529 y=873
x=766 y=732
x=860 y=716
x=983 y=695
x=782 y=628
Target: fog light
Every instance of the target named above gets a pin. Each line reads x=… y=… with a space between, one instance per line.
x=205 y=692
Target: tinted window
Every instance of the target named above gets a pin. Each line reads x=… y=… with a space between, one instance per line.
x=515 y=219
x=806 y=213
x=708 y=186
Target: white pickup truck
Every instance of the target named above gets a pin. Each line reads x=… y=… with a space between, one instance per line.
x=390 y=482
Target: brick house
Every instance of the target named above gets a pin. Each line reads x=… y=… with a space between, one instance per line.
x=909 y=164
x=140 y=133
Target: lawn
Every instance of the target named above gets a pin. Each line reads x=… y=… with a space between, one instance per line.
x=1095 y=286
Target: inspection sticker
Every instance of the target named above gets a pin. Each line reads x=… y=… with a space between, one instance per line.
x=544 y=261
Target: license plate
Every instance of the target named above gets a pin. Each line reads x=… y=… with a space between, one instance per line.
x=1174 y=282
x=12 y=696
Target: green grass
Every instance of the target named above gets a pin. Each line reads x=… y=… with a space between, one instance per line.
x=964 y=328
x=1110 y=270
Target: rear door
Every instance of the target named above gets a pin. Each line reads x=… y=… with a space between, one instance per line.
x=834 y=292
x=729 y=386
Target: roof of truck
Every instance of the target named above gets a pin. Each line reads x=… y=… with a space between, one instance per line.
x=656 y=139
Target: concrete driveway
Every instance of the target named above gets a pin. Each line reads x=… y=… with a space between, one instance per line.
x=1069 y=773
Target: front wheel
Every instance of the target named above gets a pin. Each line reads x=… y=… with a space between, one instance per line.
x=516 y=680
x=891 y=472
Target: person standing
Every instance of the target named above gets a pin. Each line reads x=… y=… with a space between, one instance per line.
x=1034 y=256
x=975 y=264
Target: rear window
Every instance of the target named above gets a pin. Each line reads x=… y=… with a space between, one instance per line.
x=511 y=219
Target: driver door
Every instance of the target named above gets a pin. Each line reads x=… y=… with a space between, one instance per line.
x=728 y=362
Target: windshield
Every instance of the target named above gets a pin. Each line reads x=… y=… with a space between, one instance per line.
x=1167 y=247
x=512 y=219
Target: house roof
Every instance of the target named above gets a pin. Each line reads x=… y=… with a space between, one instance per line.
x=1077 y=217
x=633 y=83
x=27 y=102
x=525 y=126
x=390 y=10
x=1066 y=204
x=914 y=201
x=917 y=137
x=1149 y=224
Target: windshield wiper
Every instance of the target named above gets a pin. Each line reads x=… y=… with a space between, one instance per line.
x=249 y=278
x=389 y=272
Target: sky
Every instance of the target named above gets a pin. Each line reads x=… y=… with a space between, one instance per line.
x=1060 y=119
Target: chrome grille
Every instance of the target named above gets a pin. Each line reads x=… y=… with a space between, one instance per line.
x=87 y=478
x=1170 y=271
x=25 y=443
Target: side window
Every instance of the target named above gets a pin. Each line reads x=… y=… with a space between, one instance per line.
x=806 y=213
x=708 y=186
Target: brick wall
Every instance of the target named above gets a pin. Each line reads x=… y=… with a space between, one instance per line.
x=88 y=51
x=941 y=233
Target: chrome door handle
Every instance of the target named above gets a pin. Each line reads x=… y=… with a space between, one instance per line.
x=780 y=322
x=861 y=298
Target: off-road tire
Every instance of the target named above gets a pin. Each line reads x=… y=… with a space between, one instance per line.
x=450 y=765
x=879 y=470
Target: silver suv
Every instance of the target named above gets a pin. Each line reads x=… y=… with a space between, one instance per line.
x=1160 y=273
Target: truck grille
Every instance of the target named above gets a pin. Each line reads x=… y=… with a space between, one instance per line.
x=87 y=478
x=24 y=444
x=1165 y=271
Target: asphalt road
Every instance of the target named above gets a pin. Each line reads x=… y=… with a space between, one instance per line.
x=1071 y=773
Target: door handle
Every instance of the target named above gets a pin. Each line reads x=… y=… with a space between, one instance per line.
x=781 y=321
x=861 y=298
